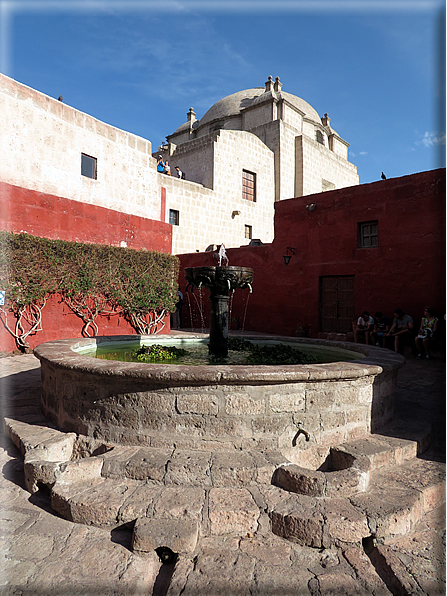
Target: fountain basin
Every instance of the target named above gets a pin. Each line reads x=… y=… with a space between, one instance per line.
x=299 y=410
x=220 y=280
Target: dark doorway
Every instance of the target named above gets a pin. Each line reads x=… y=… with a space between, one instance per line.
x=337 y=308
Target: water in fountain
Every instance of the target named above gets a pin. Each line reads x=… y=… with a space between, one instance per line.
x=199 y=310
x=245 y=312
x=222 y=256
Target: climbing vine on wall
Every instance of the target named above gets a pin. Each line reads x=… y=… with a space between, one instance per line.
x=92 y=279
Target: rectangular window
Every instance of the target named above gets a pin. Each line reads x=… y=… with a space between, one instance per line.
x=368 y=234
x=248 y=186
x=248 y=232
x=88 y=166
x=174 y=217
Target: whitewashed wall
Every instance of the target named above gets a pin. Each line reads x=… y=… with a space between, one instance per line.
x=205 y=215
x=42 y=140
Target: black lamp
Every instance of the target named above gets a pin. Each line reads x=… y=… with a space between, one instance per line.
x=287 y=257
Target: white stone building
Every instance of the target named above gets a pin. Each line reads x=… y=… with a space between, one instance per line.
x=249 y=150
x=309 y=156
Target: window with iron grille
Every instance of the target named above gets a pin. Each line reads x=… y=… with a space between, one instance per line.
x=174 y=217
x=88 y=166
x=368 y=234
x=248 y=185
x=319 y=137
x=248 y=232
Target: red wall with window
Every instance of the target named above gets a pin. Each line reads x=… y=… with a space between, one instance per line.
x=49 y=216
x=406 y=269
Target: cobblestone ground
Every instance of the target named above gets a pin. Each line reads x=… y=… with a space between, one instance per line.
x=42 y=554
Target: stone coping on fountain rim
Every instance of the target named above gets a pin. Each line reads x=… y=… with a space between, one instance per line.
x=372 y=361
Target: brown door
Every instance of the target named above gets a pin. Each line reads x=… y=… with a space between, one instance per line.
x=337 y=307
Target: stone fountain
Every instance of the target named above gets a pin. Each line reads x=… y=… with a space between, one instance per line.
x=220 y=281
x=185 y=454
x=218 y=406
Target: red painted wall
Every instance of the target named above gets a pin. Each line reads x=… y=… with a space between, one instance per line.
x=406 y=270
x=49 y=216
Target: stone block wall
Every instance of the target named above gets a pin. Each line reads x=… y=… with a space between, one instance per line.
x=205 y=215
x=206 y=407
x=259 y=115
x=339 y=147
x=336 y=169
x=195 y=159
x=287 y=161
x=292 y=118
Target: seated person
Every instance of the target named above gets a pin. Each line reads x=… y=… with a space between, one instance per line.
x=382 y=325
x=427 y=331
x=401 y=329
x=365 y=324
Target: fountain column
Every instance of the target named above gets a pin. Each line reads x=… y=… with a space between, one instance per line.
x=218 y=345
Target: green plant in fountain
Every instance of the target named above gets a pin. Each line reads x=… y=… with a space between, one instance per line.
x=157 y=353
x=92 y=279
x=272 y=354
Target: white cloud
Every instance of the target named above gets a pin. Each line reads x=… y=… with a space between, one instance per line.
x=363 y=152
x=430 y=139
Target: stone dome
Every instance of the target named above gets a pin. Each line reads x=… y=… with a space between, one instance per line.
x=233 y=104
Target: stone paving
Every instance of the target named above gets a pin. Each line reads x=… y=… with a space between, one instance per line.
x=223 y=548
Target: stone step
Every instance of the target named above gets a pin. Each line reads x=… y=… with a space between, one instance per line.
x=348 y=468
x=378 y=451
x=107 y=502
x=111 y=502
x=48 y=443
x=192 y=467
x=319 y=522
x=395 y=501
x=399 y=496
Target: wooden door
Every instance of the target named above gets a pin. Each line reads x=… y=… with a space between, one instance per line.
x=337 y=308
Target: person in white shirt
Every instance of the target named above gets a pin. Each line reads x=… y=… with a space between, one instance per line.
x=365 y=324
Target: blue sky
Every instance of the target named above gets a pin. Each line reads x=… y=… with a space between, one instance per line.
x=376 y=67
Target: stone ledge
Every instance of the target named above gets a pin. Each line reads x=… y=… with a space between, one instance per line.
x=372 y=361
x=49 y=443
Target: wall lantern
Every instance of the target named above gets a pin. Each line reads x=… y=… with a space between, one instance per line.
x=287 y=257
x=311 y=206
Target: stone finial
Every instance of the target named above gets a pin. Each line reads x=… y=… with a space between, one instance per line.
x=326 y=121
x=191 y=115
x=269 y=84
x=277 y=85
